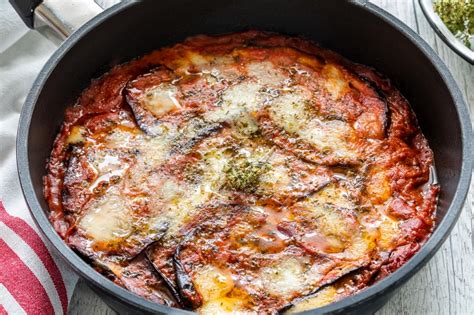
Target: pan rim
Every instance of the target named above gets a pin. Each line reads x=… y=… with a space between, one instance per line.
x=383 y=287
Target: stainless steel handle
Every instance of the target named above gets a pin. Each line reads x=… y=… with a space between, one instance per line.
x=57 y=19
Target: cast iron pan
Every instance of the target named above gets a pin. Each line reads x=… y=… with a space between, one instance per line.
x=358 y=30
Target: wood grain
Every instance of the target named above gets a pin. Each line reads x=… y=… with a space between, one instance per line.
x=446 y=284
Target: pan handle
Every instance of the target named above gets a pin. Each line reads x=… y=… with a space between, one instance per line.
x=56 y=19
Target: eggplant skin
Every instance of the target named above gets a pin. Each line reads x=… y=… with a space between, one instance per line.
x=249 y=172
x=170 y=284
x=140 y=278
x=134 y=93
x=187 y=291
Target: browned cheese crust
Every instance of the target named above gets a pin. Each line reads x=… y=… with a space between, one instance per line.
x=251 y=172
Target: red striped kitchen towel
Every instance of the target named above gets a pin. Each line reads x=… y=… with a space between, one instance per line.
x=32 y=279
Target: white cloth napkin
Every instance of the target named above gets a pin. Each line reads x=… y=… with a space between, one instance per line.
x=32 y=279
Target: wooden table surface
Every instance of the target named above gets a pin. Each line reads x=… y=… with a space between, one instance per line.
x=446 y=284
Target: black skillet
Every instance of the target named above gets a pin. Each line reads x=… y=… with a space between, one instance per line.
x=358 y=30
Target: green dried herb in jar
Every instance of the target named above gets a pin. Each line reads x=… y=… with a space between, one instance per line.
x=458 y=16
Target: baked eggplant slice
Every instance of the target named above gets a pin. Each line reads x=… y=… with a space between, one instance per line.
x=112 y=228
x=136 y=275
x=151 y=97
x=246 y=261
x=161 y=254
x=326 y=143
x=140 y=278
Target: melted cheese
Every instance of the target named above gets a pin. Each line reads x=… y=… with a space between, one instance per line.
x=293 y=113
x=290 y=112
x=337 y=195
x=335 y=82
x=331 y=222
x=378 y=186
x=285 y=278
x=122 y=139
x=212 y=283
x=76 y=135
x=224 y=305
x=197 y=59
x=183 y=199
x=389 y=232
x=217 y=289
x=265 y=73
x=107 y=219
x=236 y=100
x=277 y=178
x=161 y=99
x=323 y=297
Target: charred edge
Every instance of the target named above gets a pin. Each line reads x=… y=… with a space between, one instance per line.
x=148 y=243
x=92 y=259
x=189 y=295
x=285 y=308
x=315 y=189
x=288 y=200
x=203 y=129
x=169 y=283
x=147 y=70
x=89 y=257
x=168 y=300
x=141 y=117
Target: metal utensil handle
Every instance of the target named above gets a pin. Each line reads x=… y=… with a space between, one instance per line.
x=56 y=19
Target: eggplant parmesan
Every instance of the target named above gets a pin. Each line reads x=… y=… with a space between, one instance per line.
x=244 y=173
